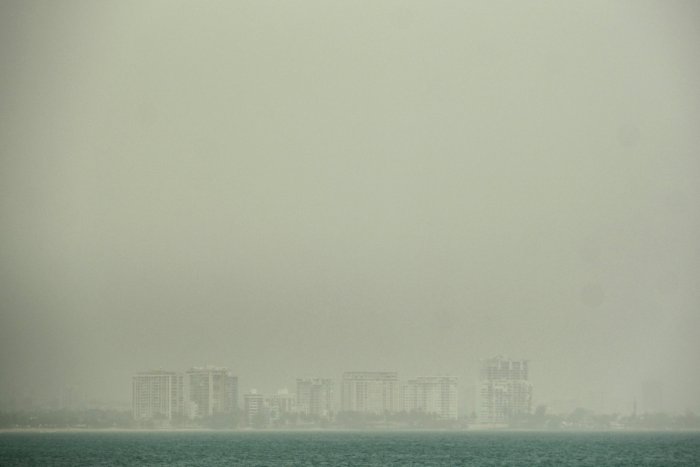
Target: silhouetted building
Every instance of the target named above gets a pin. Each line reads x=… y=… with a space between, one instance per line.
x=504 y=390
x=315 y=397
x=212 y=391
x=431 y=395
x=374 y=392
x=157 y=395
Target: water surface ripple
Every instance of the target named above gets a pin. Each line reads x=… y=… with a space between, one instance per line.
x=348 y=448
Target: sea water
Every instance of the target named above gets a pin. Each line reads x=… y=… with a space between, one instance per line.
x=349 y=448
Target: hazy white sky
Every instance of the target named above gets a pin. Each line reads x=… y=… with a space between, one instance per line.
x=304 y=188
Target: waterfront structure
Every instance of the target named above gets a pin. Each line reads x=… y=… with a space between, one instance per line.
x=157 y=395
x=254 y=409
x=280 y=404
x=504 y=390
x=436 y=395
x=373 y=392
x=212 y=390
x=315 y=397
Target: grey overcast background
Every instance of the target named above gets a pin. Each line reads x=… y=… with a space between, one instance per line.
x=305 y=188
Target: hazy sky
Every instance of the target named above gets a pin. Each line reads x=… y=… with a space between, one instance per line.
x=304 y=188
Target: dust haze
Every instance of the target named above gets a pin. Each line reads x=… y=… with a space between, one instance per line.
x=298 y=189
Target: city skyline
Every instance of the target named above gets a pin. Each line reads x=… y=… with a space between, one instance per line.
x=503 y=398
x=489 y=402
x=649 y=396
x=161 y=397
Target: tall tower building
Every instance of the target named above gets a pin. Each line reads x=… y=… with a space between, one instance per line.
x=315 y=397
x=504 y=390
x=373 y=392
x=431 y=395
x=157 y=395
x=212 y=390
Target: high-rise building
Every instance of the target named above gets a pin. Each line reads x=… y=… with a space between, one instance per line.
x=254 y=409
x=373 y=392
x=431 y=395
x=280 y=404
x=212 y=390
x=504 y=390
x=315 y=397
x=157 y=395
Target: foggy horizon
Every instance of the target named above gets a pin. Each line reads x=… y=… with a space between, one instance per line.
x=306 y=188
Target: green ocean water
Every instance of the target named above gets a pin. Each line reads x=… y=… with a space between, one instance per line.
x=349 y=448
